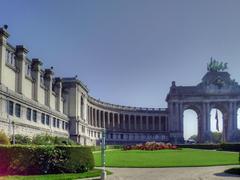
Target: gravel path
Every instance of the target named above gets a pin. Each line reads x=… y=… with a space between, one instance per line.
x=188 y=173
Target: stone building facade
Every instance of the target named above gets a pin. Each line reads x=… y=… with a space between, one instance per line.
x=34 y=101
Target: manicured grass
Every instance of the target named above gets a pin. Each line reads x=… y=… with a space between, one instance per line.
x=92 y=173
x=166 y=158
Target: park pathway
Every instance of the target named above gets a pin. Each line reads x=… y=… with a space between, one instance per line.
x=185 y=173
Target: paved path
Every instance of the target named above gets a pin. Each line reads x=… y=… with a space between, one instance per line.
x=189 y=173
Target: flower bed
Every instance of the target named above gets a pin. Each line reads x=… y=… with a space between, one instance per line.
x=150 y=146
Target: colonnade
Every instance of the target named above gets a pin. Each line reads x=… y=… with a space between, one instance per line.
x=127 y=121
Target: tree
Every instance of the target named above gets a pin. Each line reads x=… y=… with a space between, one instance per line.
x=193 y=137
x=216 y=137
x=3 y=138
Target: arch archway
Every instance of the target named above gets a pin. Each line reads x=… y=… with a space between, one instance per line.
x=238 y=119
x=190 y=124
x=216 y=125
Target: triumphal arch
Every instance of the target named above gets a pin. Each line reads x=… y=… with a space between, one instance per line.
x=217 y=90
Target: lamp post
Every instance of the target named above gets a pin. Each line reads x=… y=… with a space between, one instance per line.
x=103 y=155
x=13 y=128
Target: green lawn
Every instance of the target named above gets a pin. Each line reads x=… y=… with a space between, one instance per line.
x=93 y=173
x=166 y=158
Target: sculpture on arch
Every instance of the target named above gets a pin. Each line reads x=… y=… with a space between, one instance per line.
x=216 y=66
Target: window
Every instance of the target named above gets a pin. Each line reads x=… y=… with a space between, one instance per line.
x=66 y=125
x=10 y=58
x=28 y=69
x=43 y=118
x=17 y=110
x=63 y=124
x=58 y=122
x=29 y=114
x=34 y=115
x=54 y=122
x=47 y=119
x=41 y=79
x=10 y=108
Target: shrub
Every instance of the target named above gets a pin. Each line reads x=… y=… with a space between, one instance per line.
x=3 y=138
x=19 y=159
x=21 y=139
x=46 y=139
x=63 y=141
x=73 y=162
x=41 y=139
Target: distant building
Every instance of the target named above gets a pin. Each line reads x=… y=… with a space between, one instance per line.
x=37 y=102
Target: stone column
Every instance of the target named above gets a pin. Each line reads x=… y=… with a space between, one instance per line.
x=153 y=123
x=109 y=125
x=171 y=117
x=36 y=69
x=3 y=44
x=21 y=61
x=95 y=118
x=135 y=122
x=91 y=111
x=124 y=123
x=235 y=114
x=119 y=125
x=177 y=117
x=113 y=120
x=58 y=91
x=159 y=123
x=181 y=118
x=147 y=122
x=48 y=82
x=141 y=122
x=104 y=125
x=129 y=122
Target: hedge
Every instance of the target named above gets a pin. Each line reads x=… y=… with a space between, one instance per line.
x=25 y=160
x=223 y=147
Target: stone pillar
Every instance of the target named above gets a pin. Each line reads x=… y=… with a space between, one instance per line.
x=108 y=119
x=103 y=119
x=141 y=122
x=21 y=52
x=58 y=90
x=235 y=114
x=119 y=124
x=124 y=123
x=3 y=44
x=36 y=69
x=129 y=122
x=147 y=122
x=135 y=122
x=48 y=82
x=159 y=123
x=113 y=120
x=181 y=118
x=153 y=123
x=232 y=122
x=206 y=122
x=171 y=117
x=95 y=118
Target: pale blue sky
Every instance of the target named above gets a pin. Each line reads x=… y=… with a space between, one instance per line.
x=128 y=51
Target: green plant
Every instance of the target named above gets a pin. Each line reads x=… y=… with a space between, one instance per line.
x=21 y=139
x=25 y=159
x=46 y=139
x=3 y=138
x=43 y=139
